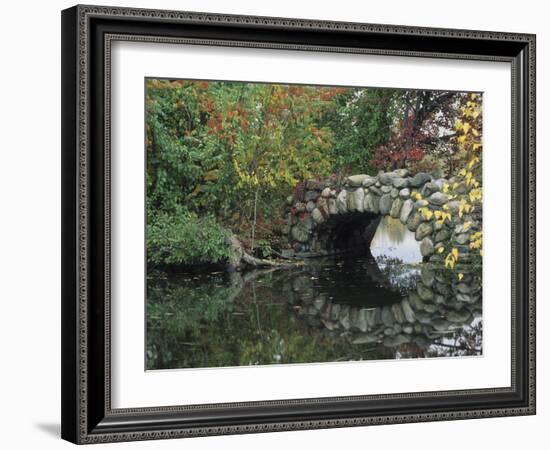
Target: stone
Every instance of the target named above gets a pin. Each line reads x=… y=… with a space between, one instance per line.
x=463 y=288
x=317 y=216
x=341 y=202
x=394 y=341
x=408 y=329
x=419 y=179
x=332 y=208
x=299 y=234
x=396 y=208
x=386 y=189
x=427 y=275
x=361 y=321
x=359 y=195
x=385 y=204
x=400 y=183
x=373 y=317
x=394 y=193
x=430 y=308
x=424 y=293
x=414 y=221
x=462 y=188
x=310 y=206
x=438 y=198
x=387 y=178
x=415 y=301
x=322 y=204
x=442 y=235
x=442 y=288
x=371 y=203
x=369 y=181
x=405 y=193
x=410 y=316
x=375 y=190
x=356 y=180
x=465 y=298
x=311 y=195
x=406 y=210
x=441 y=325
x=460 y=316
x=453 y=206
x=398 y=313
x=439 y=299
x=462 y=239
x=326 y=192
x=429 y=189
x=401 y=172
x=423 y=230
x=387 y=317
x=365 y=339
x=426 y=247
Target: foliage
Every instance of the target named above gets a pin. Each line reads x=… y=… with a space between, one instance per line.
x=421 y=124
x=183 y=239
x=360 y=121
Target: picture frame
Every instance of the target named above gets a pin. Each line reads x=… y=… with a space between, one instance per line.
x=87 y=413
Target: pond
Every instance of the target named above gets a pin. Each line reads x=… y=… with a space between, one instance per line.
x=386 y=304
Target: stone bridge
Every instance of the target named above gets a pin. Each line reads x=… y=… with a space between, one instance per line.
x=329 y=218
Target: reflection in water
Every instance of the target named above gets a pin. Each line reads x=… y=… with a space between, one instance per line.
x=327 y=310
x=392 y=239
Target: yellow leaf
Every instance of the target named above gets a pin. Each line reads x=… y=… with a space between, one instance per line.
x=460 y=276
x=440 y=250
x=454 y=251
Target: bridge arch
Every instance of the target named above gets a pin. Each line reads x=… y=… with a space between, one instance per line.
x=330 y=218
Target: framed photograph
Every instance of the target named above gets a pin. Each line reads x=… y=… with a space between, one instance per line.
x=280 y=224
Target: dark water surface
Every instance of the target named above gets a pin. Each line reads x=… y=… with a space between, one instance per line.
x=326 y=310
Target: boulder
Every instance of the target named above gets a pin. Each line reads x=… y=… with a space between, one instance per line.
x=356 y=180
x=385 y=204
x=326 y=192
x=317 y=216
x=404 y=193
x=460 y=316
x=396 y=208
x=414 y=220
x=369 y=181
x=387 y=178
x=419 y=179
x=424 y=293
x=438 y=198
x=427 y=275
x=426 y=246
x=400 y=183
x=442 y=235
x=406 y=210
x=423 y=230
x=341 y=202
x=371 y=203
x=410 y=316
x=332 y=208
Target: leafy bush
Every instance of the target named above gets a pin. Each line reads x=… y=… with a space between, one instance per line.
x=184 y=239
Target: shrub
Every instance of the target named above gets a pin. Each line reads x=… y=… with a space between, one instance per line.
x=185 y=239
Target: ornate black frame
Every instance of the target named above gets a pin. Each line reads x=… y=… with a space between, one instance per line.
x=87 y=416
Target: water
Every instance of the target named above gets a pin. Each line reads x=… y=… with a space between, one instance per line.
x=326 y=310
